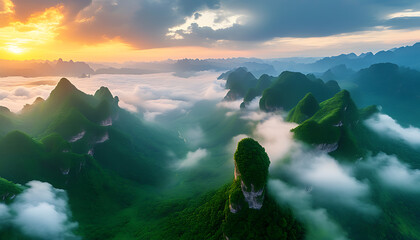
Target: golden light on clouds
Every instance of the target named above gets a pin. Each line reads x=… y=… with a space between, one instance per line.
x=7 y=7
x=357 y=42
x=50 y=34
x=18 y=39
x=15 y=49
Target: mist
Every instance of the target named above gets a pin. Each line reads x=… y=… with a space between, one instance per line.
x=335 y=199
x=41 y=212
x=385 y=125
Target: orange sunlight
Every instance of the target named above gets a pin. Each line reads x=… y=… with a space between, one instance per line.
x=18 y=40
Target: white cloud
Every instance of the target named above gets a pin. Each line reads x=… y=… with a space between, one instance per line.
x=193 y=136
x=329 y=178
x=231 y=105
x=272 y=132
x=193 y=158
x=394 y=173
x=213 y=18
x=274 y=135
x=42 y=212
x=154 y=93
x=318 y=223
x=385 y=125
x=404 y=14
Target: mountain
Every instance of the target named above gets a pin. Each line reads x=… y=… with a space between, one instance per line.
x=8 y=190
x=290 y=87
x=186 y=67
x=46 y=68
x=305 y=108
x=339 y=72
x=95 y=125
x=331 y=127
x=240 y=210
x=338 y=128
x=238 y=81
x=391 y=86
x=405 y=56
x=389 y=79
x=6 y=121
x=102 y=155
x=263 y=83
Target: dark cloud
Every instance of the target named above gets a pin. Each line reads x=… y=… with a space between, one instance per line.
x=144 y=24
x=197 y=16
x=404 y=23
x=304 y=18
x=24 y=9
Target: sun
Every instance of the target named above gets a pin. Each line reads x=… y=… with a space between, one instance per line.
x=15 y=49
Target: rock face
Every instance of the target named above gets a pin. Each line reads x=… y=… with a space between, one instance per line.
x=251 y=170
x=254 y=198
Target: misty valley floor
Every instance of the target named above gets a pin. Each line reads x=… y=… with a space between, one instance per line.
x=160 y=157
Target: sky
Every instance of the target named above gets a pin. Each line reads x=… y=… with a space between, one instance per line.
x=149 y=30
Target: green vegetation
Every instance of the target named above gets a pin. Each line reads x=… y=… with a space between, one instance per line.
x=337 y=126
x=252 y=163
x=225 y=213
x=263 y=83
x=305 y=109
x=239 y=82
x=290 y=87
x=332 y=124
x=103 y=166
x=393 y=87
x=121 y=177
x=8 y=190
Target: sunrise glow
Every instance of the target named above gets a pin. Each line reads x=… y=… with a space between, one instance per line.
x=60 y=31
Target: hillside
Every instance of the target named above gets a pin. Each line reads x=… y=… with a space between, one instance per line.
x=290 y=87
x=240 y=210
x=238 y=81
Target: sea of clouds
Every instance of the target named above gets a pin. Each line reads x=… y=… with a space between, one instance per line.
x=41 y=212
x=152 y=94
x=312 y=182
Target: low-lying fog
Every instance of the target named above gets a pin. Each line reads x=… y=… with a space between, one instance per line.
x=326 y=194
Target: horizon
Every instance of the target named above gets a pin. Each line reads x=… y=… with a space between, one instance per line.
x=315 y=58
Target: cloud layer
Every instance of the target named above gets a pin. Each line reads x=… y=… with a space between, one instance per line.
x=157 y=24
x=151 y=94
x=193 y=158
x=320 y=225
x=41 y=211
x=385 y=125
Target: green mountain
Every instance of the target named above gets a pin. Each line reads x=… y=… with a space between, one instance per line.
x=305 y=108
x=239 y=82
x=263 y=83
x=240 y=210
x=96 y=126
x=332 y=127
x=338 y=127
x=6 y=121
x=102 y=155
x=394 y=88
x=8 y=190
x=290 y=87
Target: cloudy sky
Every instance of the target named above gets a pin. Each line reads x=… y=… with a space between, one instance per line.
x=144 y=30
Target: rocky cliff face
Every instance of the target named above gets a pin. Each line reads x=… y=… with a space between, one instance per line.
x=251 y=171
